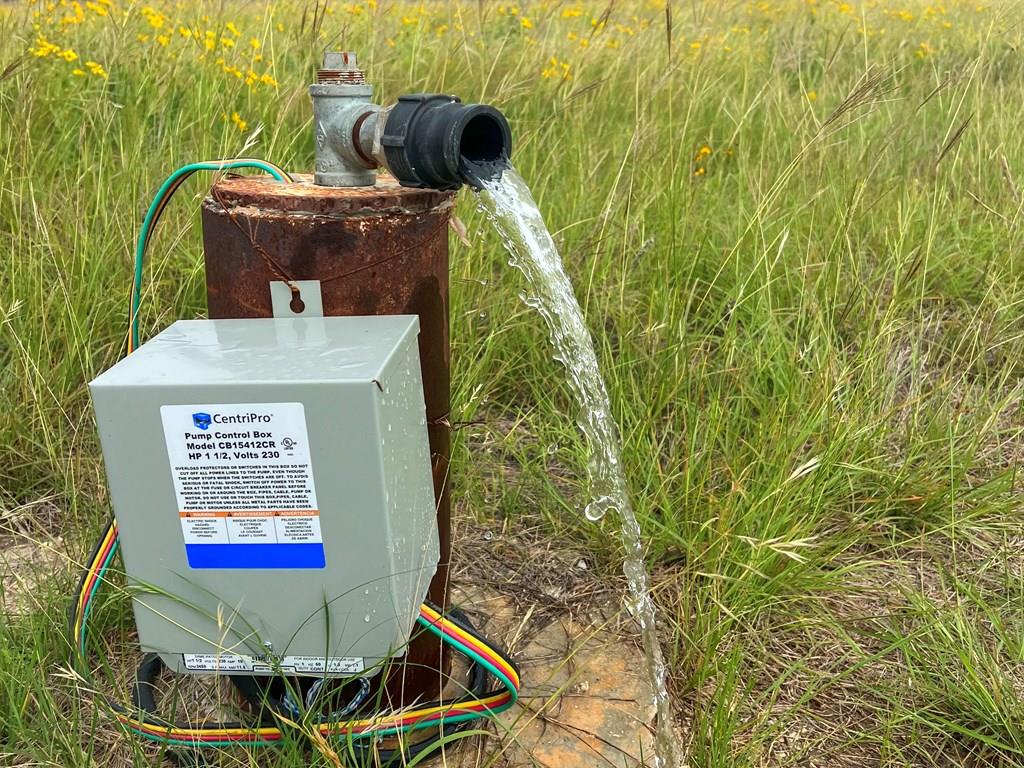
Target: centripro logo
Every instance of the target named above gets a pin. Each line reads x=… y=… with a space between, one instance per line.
x=205 y=420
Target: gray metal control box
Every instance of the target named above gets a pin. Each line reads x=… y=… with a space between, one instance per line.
x=272 y=487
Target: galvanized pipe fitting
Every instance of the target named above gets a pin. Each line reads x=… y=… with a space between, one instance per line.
x=345 y=123
x=427 y=140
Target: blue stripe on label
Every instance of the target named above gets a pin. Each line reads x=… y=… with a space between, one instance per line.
x=255 y=555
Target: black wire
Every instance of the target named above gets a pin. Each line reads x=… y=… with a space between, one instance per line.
x=144 y=703
x=259 y=696
x=257 y=692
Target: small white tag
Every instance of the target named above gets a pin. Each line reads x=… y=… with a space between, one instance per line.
x=284 y=302
x=235 y=662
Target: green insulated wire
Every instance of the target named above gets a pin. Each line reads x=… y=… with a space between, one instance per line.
x=166 y=190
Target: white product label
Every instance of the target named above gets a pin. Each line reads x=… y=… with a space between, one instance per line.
x=244 y=484
x=234 y=662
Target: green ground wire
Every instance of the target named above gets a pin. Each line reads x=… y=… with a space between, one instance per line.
x=88 y=605
x=147 y=222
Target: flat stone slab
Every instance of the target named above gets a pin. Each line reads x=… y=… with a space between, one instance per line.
x=585 y=700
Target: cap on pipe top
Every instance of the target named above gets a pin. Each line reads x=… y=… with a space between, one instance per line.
x=341 y=68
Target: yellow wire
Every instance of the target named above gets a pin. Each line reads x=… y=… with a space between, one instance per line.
x=345 y=725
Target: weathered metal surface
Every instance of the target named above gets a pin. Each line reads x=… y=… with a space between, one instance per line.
x=375 y=250
x=344 y=121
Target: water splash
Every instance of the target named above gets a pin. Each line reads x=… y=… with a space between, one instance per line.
x=508 y=204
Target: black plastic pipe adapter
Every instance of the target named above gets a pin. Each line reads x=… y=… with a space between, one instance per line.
x=432 y=140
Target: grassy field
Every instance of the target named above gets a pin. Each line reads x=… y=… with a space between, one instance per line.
x=796 y=230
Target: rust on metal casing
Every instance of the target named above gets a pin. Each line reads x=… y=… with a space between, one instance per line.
x=378 y=250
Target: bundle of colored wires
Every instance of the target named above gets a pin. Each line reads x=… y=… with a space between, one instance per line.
x=453 y=631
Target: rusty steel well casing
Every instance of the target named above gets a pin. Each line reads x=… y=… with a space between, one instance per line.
x=377 y=250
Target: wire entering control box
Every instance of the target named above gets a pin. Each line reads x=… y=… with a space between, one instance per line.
x=272 y=487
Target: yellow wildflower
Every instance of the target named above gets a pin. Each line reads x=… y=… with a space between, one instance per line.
x=267 y=79
x=45 y=48
x=230 y=27
x=572 y=12
x=556 y=68
x=525 y=23
x=163 y=40
x=142 y=38
x=155 y=18
x=241 y=124
x=68 y=55
x=96 y=8
x=76 y=17
x=78 y=72
x=812 y=95
x=254 y=43
x=96 y=68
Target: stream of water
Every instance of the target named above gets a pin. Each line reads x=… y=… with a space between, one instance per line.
x=508 y=204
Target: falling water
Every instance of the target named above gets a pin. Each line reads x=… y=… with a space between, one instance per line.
x=510 y=207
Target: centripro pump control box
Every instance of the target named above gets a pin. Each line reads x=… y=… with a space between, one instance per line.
x=272 y=487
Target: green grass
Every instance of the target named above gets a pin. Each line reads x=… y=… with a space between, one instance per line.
x=813 y=336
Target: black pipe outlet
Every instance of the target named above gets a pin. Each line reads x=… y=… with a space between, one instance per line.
x=436 y=141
